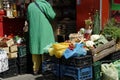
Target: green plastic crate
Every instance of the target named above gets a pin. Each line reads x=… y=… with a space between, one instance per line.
x=22 y=50
x=97 y=70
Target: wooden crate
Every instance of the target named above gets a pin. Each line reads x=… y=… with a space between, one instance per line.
x=104 y=53
x=103 y=47
x=118 y=46
x=12 y=55
x=103 y=50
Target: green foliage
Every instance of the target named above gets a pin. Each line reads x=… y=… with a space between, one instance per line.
x=111 y=31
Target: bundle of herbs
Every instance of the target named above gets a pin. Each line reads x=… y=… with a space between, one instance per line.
x=111 y=30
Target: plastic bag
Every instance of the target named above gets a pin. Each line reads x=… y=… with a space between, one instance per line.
x=109 y=72
x=58 y=49
x=77 y=51
x=3 y=61
x=117 y=66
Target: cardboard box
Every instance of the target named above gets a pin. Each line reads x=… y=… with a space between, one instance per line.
x=5 y=49
x=6 y=42
x=13 y=48
x=12 y=55
x=10 y=42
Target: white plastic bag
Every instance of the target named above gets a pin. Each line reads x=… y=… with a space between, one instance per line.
x=3 y=61
x=109 y=72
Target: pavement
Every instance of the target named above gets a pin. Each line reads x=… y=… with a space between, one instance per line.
x=36 y=77
x=25 y=77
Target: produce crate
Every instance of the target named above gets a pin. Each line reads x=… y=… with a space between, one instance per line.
x=12 y=55
x=58 y=70
x=22 y=68
x=115 y=55
x=103 y=47
x=97 y=70
x=13 y=48
x=22 y=60
x=103 y=50
x=67 y=78
x=84 y=73
x=54 y=68
x=49 y=76
x=47 y=66
x=22 y=50
x=78 y=61
x=12 y=61
x=118 y=45
x=6 y=42
x=104 y=53
x=13 y=71
x=47 y=57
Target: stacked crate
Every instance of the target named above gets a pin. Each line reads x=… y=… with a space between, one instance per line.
x=79 y=73
x=51 y=64
x=108 y=59
x=103 y=50
x=52 y=67
x=114 y=56
x=22 y=59
x=10 y=47
x=78 y=61
x=13 y=69
x=79 y=68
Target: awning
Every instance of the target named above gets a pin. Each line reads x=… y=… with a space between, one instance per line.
x=115 y=5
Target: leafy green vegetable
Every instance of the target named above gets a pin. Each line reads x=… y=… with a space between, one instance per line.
x=111 y=30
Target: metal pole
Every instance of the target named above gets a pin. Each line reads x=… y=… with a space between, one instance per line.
x=100 y=14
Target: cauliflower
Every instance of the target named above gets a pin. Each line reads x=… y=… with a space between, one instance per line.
x=89 y=43
x=94 y=37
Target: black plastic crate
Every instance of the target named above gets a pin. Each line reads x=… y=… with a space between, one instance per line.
x=47 y=57
x=115 y=55
x=12 y=71
x=12 y=61
x=84 y=73
x=22 y=68
x=49 y=76
x=55 y=60
x=47 y=66
x=56 y=69
x=22 y=60
x=68 y=78
x=78 y=61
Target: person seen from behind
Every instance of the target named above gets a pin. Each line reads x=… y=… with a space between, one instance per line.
x=40 y=30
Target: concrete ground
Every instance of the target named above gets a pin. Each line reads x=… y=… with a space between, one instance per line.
x=36 y=77
x=25 y=77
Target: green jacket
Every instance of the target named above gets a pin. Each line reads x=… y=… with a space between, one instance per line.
x=40 y=30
